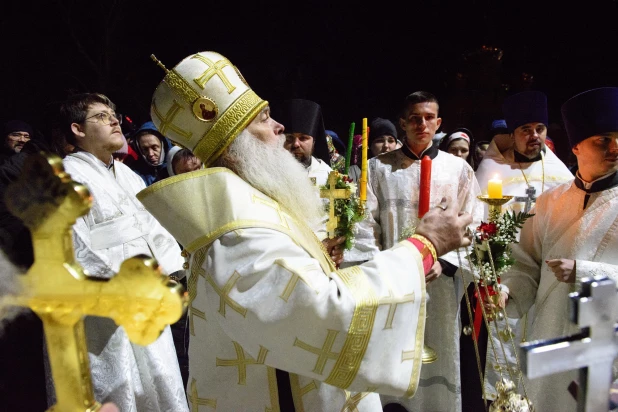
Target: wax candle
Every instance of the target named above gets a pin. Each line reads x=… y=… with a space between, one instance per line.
x=363 y=179
x=425 y=187
x=494 y=188
x=348 y=154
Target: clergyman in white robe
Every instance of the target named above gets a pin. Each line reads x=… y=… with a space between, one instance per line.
x=499 y=161
x=270 y=313
x=561 y=228
x=117 y=227
x=392 y=213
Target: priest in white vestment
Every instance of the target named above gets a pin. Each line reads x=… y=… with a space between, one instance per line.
x=573 y=234
x=274 y=325
x=392 y=206
x=521 y=160
x=117 y=227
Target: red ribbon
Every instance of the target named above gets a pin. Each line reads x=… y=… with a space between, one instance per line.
x=478 y=312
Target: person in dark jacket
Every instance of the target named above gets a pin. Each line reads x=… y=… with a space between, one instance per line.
x=151 y=148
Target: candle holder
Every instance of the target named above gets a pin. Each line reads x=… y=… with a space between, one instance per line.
x=495 y=205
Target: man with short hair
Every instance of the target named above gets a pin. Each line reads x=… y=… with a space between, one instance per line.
x=117 y=227
x=393 y=193
x=274 y=325
x=572 y=235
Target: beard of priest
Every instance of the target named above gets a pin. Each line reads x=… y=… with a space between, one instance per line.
x=259 y=162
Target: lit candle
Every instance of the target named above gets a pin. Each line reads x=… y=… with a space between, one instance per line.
x=494 y=188
x=363 y=178
x=425 y=187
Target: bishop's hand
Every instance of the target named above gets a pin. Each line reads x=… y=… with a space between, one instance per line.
x=445 y=227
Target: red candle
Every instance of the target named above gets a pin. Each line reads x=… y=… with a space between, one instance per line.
x=425 y=189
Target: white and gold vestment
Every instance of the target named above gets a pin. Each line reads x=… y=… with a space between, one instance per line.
x=266 y=298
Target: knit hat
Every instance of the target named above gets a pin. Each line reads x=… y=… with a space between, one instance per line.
x=591 y=113
x=17 y=126
x=381 y=127
x=525 y=107
x=498 y=127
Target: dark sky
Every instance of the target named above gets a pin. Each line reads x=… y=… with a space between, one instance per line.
x=356 y=61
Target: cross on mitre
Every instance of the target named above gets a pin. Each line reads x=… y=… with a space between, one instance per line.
x=139 y=298
x=595 y=310
x=331 y=194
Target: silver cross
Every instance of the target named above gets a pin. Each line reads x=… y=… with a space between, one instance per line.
x=592 y=351
x=529 y=198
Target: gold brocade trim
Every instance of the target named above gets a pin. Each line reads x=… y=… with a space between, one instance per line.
x=155 y=187
x=181 y=87
x=321 y=256
x=273 y=390
x=236 y=118
x=420 y=328
x=534 y=178
x=351 y=355
x=196 y=272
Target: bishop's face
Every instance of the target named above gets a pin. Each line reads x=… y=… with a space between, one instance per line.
x=597 y=156
x=265 y=128
x=530 y=139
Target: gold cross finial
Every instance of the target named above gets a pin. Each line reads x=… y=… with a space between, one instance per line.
x=60 y=292
x=161 y=65
x=331 y=194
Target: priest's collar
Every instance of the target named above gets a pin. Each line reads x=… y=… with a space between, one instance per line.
x=431 y=151
x=520 y=158
x=603 y=183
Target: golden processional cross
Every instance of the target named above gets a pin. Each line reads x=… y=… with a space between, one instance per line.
x=331 y=194
x=139 y=298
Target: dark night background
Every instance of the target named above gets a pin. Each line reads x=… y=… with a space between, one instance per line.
x=355 y=60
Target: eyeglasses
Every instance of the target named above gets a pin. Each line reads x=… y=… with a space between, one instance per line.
x=17 y=135
x=106 y=118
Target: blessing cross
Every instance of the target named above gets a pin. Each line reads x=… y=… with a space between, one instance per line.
x=595 y=310
x=529 y=199
x=59 y=291
x=331 y=194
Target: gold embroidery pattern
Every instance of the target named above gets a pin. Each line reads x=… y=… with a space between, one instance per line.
x=181 y=87
x=274 y=205
x=352 y=401
x=232 y=121
x=214 y=69
x=196 y=401
x=242 y=360
x=298 y=392
x=324 y=353
x=196 y=272
x=167 y=120
x=360 y=329
x=392 y=302
x=272 y=390
x=223 y=294
x=294 y=278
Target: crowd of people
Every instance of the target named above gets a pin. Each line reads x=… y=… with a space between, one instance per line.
x=224 y=191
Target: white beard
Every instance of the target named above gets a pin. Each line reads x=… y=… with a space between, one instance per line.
x=8 y=287
x=276 y=173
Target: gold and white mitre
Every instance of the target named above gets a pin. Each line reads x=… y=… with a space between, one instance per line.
x=203 y=104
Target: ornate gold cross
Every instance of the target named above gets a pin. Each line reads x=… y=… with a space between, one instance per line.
x=331 y=194
x=60 y=292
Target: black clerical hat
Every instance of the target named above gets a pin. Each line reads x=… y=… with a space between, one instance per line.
x=525 y=107
x=304 y=116
x=591 y=113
